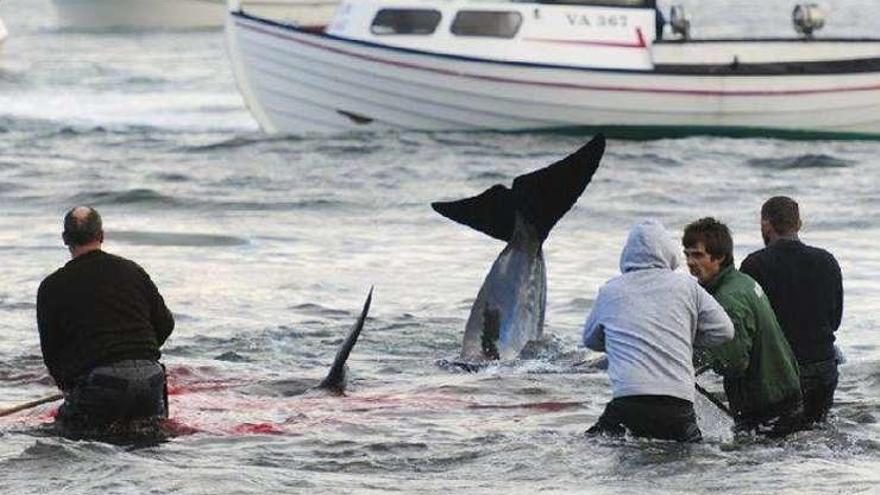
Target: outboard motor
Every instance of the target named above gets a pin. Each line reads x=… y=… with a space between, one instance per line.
x=807 y=18
x=679 y=21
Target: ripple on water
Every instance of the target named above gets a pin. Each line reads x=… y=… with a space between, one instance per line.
x=140 y=238
x=807 y=161
x=139 y=196
x=172 y=177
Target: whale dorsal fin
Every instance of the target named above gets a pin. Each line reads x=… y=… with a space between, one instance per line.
x=335 y=380
x=542 y=196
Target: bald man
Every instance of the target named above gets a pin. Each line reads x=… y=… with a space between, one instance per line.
x=102 y=322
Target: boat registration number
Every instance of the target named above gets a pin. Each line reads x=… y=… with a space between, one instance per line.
x=615 y=20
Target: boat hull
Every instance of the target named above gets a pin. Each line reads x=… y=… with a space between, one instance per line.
x=309 y=13
x=296 y=81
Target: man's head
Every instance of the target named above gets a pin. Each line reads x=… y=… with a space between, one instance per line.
x=82 y=228
x=708 y=248
x=648 y=245
x=780 y=217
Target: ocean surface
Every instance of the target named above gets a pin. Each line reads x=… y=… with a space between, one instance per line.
x=265 y=248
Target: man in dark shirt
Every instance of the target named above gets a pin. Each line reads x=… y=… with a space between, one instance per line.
x=805 y=288
x=102 y=322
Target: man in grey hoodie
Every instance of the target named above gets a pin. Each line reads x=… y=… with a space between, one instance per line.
x=647 y=320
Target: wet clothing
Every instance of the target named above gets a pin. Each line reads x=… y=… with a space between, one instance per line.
x=126 y=390
x=805 y=289
x=647 y=320
x=652 y=416
x=818 y=382
x=759 y=369
x=96 y=310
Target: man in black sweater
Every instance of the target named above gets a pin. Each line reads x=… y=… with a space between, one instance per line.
x=805 y=288
x=102 y=322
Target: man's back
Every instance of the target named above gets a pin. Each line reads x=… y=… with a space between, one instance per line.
x=651 y=319
x=805 y=289
x=97 y=309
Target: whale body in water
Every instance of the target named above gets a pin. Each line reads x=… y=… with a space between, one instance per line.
x=508 y=312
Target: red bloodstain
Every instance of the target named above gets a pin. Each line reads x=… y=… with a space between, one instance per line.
x=206 y=386
x=257 y=429
x=548 y=406
x=175 y=428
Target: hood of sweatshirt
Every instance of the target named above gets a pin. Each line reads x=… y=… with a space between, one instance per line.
x=649 y=245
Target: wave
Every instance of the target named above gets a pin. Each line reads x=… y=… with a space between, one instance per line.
x=150 y=197
x=318 y=204
x=6 y=187
x=490 y=175
x=131 y=196
x=173 y=177
x=141 y=238
x=808 y=161
x=238 y=142
x=650 y=159
x=358 y=150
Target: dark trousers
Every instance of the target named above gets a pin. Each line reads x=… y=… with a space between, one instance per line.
x=818 y=382
x=122 y=391
x=652 y=416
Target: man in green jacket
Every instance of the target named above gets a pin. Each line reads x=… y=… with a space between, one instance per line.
x=759 y=369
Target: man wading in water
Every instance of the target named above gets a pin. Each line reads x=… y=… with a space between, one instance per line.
x=759 y=369
x=805 y=288
x=102 y=322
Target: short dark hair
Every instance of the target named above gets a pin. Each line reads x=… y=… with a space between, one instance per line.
x=783 y=214
x=79 y=230
x=714 y=235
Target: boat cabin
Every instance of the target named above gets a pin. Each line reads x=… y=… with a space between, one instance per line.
x=614 y=34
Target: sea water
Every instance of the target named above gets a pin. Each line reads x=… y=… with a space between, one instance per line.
x=265 y=247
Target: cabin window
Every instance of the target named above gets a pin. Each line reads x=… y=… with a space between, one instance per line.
x=492 y=24
x=405 y=21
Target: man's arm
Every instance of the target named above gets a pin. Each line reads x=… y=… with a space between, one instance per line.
x=837 y=285
x=594 y=332
x=750 y=267
x=713 y=325
x=160 y=316
x=48 y=342
x=731 y=359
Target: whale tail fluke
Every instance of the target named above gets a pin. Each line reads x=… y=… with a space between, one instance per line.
x=491 y=212
x=542 y=196
x=336 y=377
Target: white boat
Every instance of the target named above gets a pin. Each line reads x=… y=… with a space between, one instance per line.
x=184 y=14
x=545 y=64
